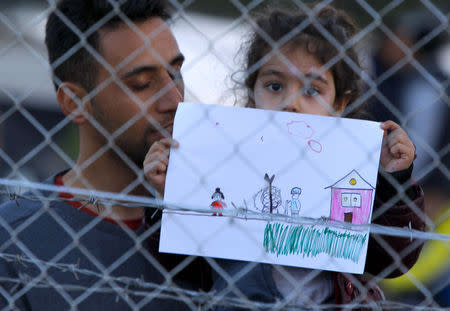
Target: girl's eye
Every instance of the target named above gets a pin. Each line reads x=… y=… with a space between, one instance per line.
x=310 y=91
x=274 y=87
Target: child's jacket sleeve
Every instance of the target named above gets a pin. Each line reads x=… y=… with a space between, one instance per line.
x=398 y=202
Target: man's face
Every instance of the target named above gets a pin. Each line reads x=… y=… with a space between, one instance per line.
x=140 y=106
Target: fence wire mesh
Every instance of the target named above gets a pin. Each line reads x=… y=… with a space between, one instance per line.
x=54 y=254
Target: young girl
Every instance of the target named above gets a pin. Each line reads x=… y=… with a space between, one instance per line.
x=294 y=64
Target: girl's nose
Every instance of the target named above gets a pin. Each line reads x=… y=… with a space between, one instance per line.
x=293 y=103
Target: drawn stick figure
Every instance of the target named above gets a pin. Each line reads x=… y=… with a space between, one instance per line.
x=218 y=204
x=294 y=205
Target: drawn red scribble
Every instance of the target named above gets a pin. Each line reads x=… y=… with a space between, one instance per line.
x=300 y=129
x=303 y=130
x=315 y=146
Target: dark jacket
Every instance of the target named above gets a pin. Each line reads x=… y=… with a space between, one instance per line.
x=43 y=244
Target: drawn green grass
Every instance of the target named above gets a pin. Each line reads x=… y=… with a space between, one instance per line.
x=284 y=239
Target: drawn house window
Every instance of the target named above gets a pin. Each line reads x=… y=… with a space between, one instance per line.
x=351 y=199
x=346 y=199
x=356 y=200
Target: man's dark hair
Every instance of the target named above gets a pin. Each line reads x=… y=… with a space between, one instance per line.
x=75 y=20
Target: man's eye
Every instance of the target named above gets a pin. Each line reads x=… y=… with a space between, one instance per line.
x=176 y=76
x=274 y=87
x=310 y=91
x=140 y=87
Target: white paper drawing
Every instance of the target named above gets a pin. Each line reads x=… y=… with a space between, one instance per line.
x=265 y=172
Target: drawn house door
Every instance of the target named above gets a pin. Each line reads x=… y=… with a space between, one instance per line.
x=348 y=217
x=350 y=201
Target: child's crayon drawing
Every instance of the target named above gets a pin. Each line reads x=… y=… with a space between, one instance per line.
x=303 y=130
x=268 y=199
x=309 y=241
x=315 y=145
x=218 y=204
x=293 y=206
x=271 y=186
x=300 y=129
x=351 y=199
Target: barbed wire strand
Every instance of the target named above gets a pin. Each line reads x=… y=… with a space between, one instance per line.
x=131 y=201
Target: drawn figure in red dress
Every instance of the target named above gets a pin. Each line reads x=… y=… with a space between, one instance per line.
x=218 y=204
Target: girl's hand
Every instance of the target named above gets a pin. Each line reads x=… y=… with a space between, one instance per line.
x=398 y=151
x=156 y=161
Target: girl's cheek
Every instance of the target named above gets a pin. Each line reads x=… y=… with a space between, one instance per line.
x=271 y=101
x=262 y=98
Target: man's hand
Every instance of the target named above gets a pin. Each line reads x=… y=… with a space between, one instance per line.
x=398 y=151
x=156 y=161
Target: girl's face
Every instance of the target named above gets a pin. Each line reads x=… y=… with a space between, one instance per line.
x=301 y=87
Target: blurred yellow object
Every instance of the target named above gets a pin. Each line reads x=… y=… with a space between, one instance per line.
x=433 y=261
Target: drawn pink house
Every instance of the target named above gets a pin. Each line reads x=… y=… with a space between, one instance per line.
x=351 y=199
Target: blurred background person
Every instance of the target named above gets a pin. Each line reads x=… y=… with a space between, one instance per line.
x=418 y=98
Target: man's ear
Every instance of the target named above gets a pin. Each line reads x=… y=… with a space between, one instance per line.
x=71 y=98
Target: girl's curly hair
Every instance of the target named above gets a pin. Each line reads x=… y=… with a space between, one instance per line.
x=275 y=28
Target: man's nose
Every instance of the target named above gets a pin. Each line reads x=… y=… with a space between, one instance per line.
x=172 y=94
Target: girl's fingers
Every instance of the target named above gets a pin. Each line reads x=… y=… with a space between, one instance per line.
x=156 y=162
x=153 y=157
x=390 y=128
x=160 y=147
x=155 y=168
x=157 y=156
x=164 y=144
x=398 y=136
x=159 y=168
x=401 y=151
x=398 y=150
x=389 y=125
x=168 y=142
x=164 y=160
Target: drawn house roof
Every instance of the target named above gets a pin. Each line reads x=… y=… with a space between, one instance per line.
x=352 y=181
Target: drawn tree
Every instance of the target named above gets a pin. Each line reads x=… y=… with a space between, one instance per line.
x=268 y=197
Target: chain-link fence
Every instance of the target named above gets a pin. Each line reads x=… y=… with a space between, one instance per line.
x=81 y=219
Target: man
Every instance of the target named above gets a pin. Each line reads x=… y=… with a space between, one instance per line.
x=117 y=75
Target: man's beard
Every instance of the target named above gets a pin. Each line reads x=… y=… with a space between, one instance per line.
x=137 y=152
x=134 y=153
x=135 y=149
